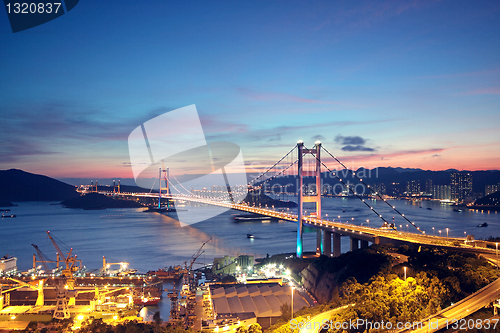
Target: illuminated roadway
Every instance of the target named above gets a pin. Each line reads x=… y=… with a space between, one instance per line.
x=450 y=315
x=359 y=232
x=315 y=323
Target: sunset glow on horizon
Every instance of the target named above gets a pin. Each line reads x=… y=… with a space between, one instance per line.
x=385 y=84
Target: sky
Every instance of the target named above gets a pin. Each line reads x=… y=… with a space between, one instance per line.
x=412 y=84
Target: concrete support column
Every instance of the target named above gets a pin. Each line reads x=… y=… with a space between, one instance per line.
x=319 y=242
x=364 y=244
x=354 y=243
x=336 y=244
x=327 y=243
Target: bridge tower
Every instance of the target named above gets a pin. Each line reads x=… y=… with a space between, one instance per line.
x=314 y=197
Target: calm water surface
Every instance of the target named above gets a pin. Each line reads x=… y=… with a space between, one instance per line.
x=149 y=241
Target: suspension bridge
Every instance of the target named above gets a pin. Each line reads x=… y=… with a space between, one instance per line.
x=304 y=166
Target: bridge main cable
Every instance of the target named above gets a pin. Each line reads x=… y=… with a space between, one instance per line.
x=356 y=194
x=368 y=186
x=262 y=174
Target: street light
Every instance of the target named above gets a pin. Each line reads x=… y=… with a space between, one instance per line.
x=432 y=231
x=368 y=221
x=407 y=229
x=465 y=234
x=405 y=272
x=446 y=232
x=439 y=233
x=292 y=300
x=497 y=254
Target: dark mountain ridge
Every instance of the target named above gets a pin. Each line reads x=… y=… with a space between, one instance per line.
x=18 y=185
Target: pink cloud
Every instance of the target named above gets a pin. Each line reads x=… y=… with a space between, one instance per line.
x=214 y=124
x=267 y=96
x=484 y=91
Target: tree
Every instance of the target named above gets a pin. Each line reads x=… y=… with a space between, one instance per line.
x=286 y=312
x=157 y=320
x=241 y=329
x=255 y=328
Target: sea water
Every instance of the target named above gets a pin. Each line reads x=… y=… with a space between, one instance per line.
x=148 y=241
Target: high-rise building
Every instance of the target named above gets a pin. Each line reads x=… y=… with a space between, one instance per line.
x=428 y=186
x=413 y=187
x=461 y=186
x=489 y=189
x=441 y=192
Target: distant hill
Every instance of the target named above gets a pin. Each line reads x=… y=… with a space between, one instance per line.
x=395 y=178
x=99 y=201
x=490 y=200
x=18 y=185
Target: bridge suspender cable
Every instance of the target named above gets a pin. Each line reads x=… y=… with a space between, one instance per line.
x=356 y=194
x=262 y=174
x=368 y=186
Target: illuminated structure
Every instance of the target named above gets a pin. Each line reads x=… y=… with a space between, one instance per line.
x=461 y=186
x=442 y=192
x=310 y=196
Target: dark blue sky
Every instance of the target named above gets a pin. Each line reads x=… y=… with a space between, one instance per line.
x=417 y=82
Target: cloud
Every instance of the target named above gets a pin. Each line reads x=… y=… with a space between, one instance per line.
x=350 y=140
x=484 y=91
x=268 y=96
x=318 y=137
x=352 y=143
x=214 y=124
x=357 y=148
x=370 y=157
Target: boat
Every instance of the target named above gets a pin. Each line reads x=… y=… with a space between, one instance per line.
x=6 y=216
x=251 y=218
x=457 y=210
x=147 y=301
x=482 y=225
x=429 y=208
x=389 y=227
x=249 y=235
x=167 y=274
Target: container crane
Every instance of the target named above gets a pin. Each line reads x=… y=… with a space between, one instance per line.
x=122 y=270
x=43 y=260
x=69 y=261
x=36 y=284
x=197 y=254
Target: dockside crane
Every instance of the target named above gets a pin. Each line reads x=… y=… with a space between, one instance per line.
x=69 y=261
x=43 y=260
x=35 y=284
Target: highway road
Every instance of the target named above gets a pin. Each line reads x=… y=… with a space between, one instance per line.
x=314 y=324
x=451 y=315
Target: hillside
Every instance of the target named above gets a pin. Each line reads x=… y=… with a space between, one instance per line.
x=490 y=200
x=99 y=201
x=18 y=185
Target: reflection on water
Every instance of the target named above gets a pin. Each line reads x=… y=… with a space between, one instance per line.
x=149 y=241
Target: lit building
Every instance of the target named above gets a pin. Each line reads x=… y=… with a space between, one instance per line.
x=489 y=189
x=461 y=186
x=428 y=186
x=8 y=264
x=230 y=265
x=441 y=192
x=413 y=187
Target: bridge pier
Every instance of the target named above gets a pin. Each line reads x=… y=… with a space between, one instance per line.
x=364 y=244
x=327 y=243
x=320 y=248
x=336 y=244
x=354 y=243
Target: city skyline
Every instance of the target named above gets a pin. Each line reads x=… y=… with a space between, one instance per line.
x=412 y=85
